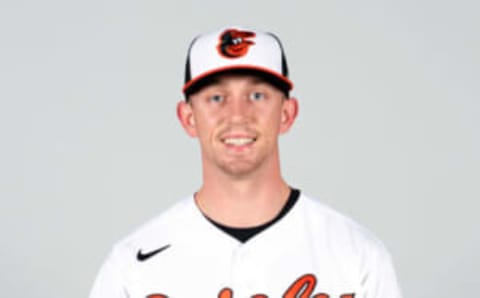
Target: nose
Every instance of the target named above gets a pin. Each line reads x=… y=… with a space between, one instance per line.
x=239 y=108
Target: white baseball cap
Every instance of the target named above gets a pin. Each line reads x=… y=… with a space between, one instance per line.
x=234 y=49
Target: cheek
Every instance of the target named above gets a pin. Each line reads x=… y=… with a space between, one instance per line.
x=270 y=123
x=205 y=125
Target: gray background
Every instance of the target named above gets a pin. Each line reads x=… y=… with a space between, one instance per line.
x=388 y=131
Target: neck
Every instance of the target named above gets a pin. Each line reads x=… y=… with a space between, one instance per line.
x=243 y=201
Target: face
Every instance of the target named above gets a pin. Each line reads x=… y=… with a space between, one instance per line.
x=237 y=120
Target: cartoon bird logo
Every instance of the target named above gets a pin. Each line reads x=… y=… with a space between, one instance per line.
x=234 y=43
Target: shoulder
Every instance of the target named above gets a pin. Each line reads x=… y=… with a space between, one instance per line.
x=342 y=232
x=347 y=246
x=156 y=232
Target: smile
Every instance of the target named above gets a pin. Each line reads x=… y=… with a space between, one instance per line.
x=238 y=141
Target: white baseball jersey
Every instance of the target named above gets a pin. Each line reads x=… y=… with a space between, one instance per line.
x=311 y=252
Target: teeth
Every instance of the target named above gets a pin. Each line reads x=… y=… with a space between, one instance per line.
x=238 y=141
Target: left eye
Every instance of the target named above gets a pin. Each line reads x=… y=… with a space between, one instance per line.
x=257 y=96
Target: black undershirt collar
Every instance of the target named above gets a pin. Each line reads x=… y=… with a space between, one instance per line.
x=244 y=234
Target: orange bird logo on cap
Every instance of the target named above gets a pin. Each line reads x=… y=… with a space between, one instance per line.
x=234 y=43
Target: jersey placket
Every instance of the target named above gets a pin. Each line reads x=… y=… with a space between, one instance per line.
x=243 y=265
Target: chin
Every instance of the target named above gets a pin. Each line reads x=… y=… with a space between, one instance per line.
x=239 y=169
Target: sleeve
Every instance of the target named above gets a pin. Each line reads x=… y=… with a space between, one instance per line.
x=379 y=279
x=109 y=282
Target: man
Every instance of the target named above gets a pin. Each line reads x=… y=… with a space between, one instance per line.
x=245 y=232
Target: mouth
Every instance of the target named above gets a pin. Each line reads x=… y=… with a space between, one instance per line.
x=238 y=141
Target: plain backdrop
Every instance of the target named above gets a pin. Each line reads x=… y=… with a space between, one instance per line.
x=388 y=131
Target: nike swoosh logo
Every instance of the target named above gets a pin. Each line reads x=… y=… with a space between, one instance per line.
x=145 y=256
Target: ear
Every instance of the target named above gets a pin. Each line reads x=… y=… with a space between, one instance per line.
x=185 y=116
x=289 y=114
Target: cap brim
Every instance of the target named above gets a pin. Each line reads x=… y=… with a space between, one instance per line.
x=276 y=79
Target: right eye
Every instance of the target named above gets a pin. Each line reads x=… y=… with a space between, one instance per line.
x=216 y=98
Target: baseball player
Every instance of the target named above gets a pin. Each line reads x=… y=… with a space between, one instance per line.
x=245 y=232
